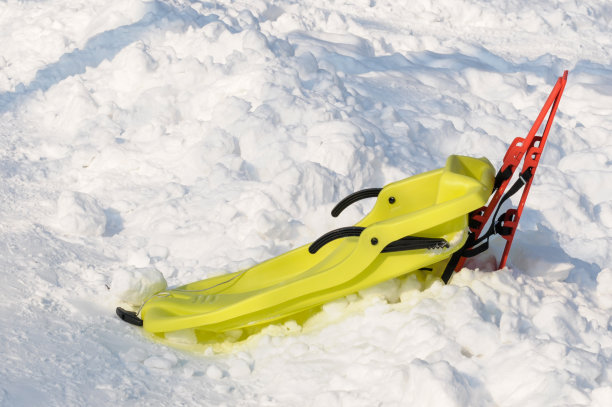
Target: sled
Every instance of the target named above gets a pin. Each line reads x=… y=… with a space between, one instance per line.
x=429 y=222
x=414 y=223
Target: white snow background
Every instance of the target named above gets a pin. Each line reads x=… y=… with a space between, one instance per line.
x=143 y=141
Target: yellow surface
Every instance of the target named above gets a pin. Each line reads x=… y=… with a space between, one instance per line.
x=432 y=204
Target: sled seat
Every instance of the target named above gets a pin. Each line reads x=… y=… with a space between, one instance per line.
x=430 y=209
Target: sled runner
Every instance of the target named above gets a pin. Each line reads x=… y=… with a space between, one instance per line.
x=429 y=221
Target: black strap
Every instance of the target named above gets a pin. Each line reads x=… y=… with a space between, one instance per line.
x=454 y=260
x=473 y=223
x=523 y=179
x=354 y=197
x=500 y=229
x=415 y=243
x=475 y=251
x=497 y=225
x=502 y=176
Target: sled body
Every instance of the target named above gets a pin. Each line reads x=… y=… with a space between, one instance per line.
x=435 y=204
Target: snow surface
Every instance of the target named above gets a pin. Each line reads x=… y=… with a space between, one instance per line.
x=170 y=140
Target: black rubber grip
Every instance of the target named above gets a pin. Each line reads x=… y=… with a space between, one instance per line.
x=405 y=243
x=354 y=197
x=333 y=235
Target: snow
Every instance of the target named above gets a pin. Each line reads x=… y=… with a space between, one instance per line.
x=160 y=142
x=136 y=285
x=80 y=214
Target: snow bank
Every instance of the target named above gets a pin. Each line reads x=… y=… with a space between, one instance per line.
x=173 y=140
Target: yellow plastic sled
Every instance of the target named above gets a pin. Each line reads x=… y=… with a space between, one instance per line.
x=415 y=223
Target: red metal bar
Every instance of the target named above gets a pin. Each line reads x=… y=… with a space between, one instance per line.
x=531 y=161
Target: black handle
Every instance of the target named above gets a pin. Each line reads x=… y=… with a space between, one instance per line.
x=405 y=243
x=333 y=235
x=354 y=197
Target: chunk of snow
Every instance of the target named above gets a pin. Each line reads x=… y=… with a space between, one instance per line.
x=213 y=372
x=81 y=214
x=135 y=285
x=604 y=288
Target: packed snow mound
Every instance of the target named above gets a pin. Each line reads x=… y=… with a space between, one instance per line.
x=174 y=140
x=80 y=214
x=135 y=286
x=604 y=288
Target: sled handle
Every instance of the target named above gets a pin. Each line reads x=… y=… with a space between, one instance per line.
x=354 y=197
x=333 y=235
x=405 y=243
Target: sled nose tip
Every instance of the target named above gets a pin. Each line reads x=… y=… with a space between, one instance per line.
x=129 y=316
